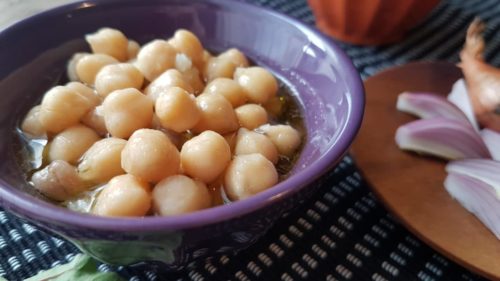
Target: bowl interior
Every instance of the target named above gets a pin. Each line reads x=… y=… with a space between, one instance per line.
x=34 y=54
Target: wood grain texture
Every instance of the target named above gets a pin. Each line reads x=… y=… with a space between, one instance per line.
x=411 y=185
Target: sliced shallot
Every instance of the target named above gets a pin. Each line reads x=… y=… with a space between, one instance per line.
x=442 y=137
x=478 y=198
x=428 y=105
x=460 y=98
x=485 y=170
x=492 y=140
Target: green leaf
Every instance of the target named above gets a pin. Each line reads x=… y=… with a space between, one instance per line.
x=81 y=268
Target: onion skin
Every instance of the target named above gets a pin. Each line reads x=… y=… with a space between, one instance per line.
x=442 y=137
x=478 y=198
x=483 y=80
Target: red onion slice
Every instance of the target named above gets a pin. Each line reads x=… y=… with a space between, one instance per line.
x=459 y=97
x=492 y=140
x=485 y=170
x=427 y=105
x=442 y=137
x=478 y=198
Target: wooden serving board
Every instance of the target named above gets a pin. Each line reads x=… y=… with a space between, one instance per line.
x=411 y=185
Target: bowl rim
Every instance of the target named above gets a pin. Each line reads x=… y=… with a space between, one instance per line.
x=24 y=204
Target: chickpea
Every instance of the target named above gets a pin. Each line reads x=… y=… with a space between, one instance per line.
x=177 y=110
x=249 y=142
x=217 y=114
x=258 y=83
x=88 y=66
x=116 y=77
x=205 y=156
x=132 y=49
x=126 y=111
x=85 y=91
x=124 y=196
x=109 y=41
x=71 y=67
x=31 y=123
x=192 y=76
x=168 y=79
x=61 y=108
x=284 y=137
x=236 y=57
x=58 y=181
x=70 y=144
x=186 y=42
x=248 y=175
x=179 y=194
x=182 y=62
x=217 y=67
x=224 y=65
x=94 y=119
x=229 y=89
x=159 y=158
x=102 y=161
x=251 y=115
x=154 y=58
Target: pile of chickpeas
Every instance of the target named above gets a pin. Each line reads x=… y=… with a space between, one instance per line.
x=155 y=126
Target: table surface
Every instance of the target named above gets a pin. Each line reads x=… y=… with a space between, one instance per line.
x=343 y=233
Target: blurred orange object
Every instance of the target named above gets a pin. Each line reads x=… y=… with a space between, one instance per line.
x=369 y=22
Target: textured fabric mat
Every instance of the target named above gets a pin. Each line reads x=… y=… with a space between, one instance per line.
x=343 y=233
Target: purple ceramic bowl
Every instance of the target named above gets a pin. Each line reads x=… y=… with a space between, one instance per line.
x=34 y=53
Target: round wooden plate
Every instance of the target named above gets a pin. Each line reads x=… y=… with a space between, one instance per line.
x=411 y=185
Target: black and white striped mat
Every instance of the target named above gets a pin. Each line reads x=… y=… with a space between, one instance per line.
x=343 y=233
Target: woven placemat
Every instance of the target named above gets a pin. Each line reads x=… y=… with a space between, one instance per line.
x=343 y=233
